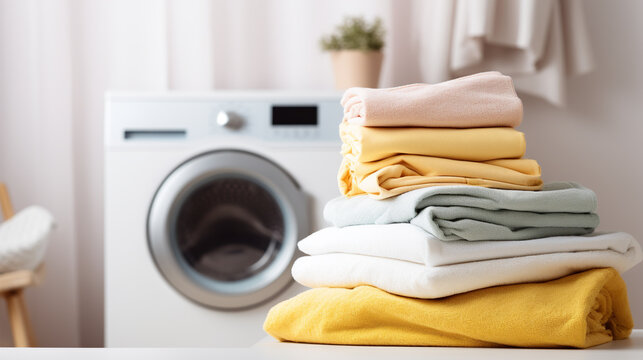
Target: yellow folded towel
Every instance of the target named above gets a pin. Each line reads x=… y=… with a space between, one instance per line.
x=398 y=174
x=580 y=310
x=363 y=144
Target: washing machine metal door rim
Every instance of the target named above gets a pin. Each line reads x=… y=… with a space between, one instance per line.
x=247 y=291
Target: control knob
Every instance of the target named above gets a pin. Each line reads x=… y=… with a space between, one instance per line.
x=229 y=120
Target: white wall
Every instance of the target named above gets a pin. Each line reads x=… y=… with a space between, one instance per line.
x=36 y=156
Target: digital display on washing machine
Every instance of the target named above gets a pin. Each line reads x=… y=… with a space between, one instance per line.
x=294 y=115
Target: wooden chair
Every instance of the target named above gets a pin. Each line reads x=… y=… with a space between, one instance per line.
x=12 y=285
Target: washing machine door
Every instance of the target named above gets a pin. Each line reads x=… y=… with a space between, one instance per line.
x=223 y=228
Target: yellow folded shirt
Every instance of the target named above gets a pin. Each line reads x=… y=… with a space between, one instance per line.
x=365 y=144
x=398 y=174
x=580 y=310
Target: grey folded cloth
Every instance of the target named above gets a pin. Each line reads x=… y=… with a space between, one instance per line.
x=477 y=213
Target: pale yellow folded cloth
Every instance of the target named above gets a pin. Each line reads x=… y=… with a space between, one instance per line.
x=398 y=174
x=579 y=310
x=365 y=144
x=482 y=100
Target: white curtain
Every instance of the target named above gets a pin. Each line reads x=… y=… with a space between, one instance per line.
x=37 y=151
x=58 y=57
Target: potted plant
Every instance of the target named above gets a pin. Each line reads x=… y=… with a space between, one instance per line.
x=356 y=52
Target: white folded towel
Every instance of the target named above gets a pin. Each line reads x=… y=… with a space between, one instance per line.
x=416 y=280
x=411 y=243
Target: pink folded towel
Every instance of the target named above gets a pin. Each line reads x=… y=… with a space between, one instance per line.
x=482 y=100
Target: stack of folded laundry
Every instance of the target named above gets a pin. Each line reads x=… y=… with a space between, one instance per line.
x=454 y=133
x=445 y=236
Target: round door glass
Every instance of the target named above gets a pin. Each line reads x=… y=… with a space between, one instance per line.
x=229 y=229
x=223 y=228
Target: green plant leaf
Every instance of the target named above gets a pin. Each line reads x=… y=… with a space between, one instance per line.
x=354 y=33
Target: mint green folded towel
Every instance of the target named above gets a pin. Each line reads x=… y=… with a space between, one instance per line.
x=477 y=213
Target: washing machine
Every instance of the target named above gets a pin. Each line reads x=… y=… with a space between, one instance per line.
x=206 y=196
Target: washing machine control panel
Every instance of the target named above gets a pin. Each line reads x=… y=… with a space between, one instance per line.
x=295 y=122
x=305 y=118
x=281 y=121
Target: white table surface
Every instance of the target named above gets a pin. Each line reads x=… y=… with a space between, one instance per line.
x=269 y=348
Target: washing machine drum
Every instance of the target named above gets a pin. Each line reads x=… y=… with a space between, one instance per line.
x=223 y=228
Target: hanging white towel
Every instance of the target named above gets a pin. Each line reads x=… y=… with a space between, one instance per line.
x=540 y=43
